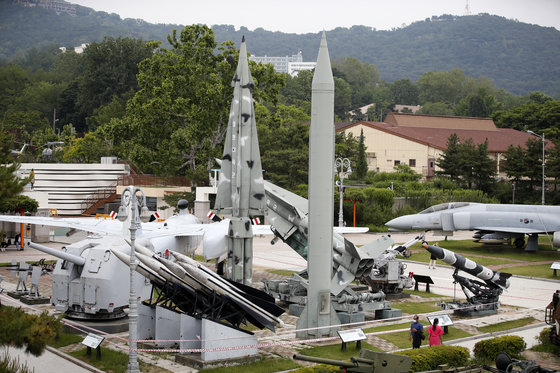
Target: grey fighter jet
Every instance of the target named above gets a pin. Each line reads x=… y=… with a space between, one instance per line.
x=494 y=223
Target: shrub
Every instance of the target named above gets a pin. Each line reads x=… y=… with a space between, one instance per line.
x=27 y=330
x=429 y=358
x=487 y=350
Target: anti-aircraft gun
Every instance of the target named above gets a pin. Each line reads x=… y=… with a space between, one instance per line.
x=482 y=297
x=288 y=215
x=367 y=361
x=388 y=273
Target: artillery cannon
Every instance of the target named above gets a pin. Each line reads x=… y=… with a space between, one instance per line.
x=505 y=364
x=367 y=361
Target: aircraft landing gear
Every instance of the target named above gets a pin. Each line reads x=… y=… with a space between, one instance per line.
x=519 y=242
x=532 y=243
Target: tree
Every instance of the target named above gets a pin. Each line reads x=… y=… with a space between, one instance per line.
x=435 y=108
x=481 y=104
x=514 y=164
x=110 y=69
x=176 y=122
x=537 y=116
x=404 y=92
x=450 y=159
x=13 y=80
x=484 y=168
x=441 y=86
x=284 y=145
x=88 y=149
x=361 y=163
x=10 y=184
x=468 y=164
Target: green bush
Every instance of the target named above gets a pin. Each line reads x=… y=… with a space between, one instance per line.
x=26 y=330
x=487 y=350
x=429 y=358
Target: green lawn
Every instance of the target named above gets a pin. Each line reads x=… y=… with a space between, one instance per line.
x=540 y=271
x=413 y=307
x=506 y=325
x=400 y=339
x=281 y=272
x=423 y=294
x=264 y=366
x=333 y=351
x=112 y=361
x=65 y=339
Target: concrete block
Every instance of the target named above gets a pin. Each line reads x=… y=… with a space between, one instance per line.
x=146 y=322
x=348 y=318
x=295 y=309
x=166 y=326
x=388 y=313
x=191 y=330
x=216 y=335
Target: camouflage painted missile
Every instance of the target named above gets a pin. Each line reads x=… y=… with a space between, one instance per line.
x=460 y=262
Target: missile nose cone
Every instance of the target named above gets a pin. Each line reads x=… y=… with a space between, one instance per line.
x=322 y=77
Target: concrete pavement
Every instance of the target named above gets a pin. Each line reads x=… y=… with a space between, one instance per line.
x=531 y=294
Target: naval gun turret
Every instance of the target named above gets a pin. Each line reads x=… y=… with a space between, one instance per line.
x=482 y=297
x=89 y=282
x=288 y=216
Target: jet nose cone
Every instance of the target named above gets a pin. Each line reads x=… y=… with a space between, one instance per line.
x=401 y=223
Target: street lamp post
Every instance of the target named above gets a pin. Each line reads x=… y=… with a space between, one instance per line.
x=344 y=165
x=543 y=176
x=134 y=198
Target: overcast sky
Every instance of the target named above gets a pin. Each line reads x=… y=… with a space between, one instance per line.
x=303 y=16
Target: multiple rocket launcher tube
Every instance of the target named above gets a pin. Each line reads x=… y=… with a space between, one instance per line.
x=190 y=275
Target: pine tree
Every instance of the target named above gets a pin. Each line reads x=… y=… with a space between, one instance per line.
x=450 y=159
x=361 y=164
x=10 y=185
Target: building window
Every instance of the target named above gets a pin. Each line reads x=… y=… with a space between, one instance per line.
x=431 y=164
x=397 y=162
x=412 y=162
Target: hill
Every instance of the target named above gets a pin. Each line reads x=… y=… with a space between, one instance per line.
x=518 y=57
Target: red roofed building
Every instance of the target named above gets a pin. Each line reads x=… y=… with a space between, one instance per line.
x=418 y=140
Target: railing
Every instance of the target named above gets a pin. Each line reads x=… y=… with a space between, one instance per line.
x=99 y=198
x=151 y=180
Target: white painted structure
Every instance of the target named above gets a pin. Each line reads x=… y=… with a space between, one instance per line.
x=66 y=186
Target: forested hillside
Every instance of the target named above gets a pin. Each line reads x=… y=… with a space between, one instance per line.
x=518 y=57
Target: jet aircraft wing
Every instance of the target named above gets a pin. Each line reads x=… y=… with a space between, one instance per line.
x=508 y=229
x=107 y=227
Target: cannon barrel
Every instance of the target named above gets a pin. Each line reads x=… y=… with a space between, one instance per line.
x=78 y=260
x=312 y=359
x=460 y=262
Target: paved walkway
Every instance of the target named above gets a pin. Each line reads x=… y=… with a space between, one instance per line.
x=530 y=294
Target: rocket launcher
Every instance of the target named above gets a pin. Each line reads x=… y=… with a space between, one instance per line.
x=458 y=261
x=288 y=216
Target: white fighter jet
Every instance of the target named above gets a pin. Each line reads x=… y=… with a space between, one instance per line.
x=494 y=223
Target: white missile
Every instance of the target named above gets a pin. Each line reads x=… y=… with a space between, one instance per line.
x=220 y=286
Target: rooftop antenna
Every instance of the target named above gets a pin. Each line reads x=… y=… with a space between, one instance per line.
x=467 y=9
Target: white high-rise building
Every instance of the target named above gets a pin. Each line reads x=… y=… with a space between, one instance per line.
x=288 y=64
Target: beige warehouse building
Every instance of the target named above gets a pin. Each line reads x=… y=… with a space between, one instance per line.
x=418 y=140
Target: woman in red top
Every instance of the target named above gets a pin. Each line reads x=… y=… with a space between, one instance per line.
x=435 y=333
